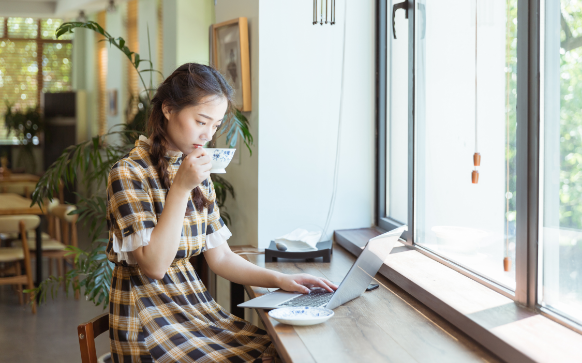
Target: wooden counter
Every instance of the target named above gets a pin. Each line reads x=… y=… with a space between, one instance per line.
x=383 y=325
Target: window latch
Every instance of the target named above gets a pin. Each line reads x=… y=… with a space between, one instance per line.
x=404 y=6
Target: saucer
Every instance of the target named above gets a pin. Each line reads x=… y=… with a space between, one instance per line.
x=217 y=171
x=301 y=315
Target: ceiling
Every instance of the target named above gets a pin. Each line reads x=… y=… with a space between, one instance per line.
x=51 y=8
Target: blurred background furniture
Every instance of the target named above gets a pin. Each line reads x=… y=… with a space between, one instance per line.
x=22 y=184
x=14 y=204
x=60 y=130
x=16 y=257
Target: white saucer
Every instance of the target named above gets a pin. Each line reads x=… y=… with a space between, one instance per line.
x=218 y=171
x=301 y=315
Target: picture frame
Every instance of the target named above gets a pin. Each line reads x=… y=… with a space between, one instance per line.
x=230 y=56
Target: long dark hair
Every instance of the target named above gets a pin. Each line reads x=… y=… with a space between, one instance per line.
x=186 y=86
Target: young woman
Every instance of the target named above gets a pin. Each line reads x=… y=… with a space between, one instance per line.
x=161 y=210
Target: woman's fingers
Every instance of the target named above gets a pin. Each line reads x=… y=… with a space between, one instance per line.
x=300 y=288
x=319 y=282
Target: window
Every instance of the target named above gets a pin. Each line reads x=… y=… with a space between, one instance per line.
x=465 y=104
x=395 y=89
x=480 y=81
x=31 y=61
x=561 y=160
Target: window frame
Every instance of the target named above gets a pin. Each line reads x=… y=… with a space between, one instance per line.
x=527 y=149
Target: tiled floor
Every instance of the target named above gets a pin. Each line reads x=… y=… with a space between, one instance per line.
x=51 y=334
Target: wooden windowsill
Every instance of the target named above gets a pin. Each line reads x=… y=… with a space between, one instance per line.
x=510 y=331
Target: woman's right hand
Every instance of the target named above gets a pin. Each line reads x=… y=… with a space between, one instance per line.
x=195 y=168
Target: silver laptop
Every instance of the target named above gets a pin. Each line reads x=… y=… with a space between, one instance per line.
x=352 y=286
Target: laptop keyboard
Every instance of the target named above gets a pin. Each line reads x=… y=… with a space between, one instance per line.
x=316 y=298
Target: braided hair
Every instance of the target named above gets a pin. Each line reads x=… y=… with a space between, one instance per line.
x=186 y=86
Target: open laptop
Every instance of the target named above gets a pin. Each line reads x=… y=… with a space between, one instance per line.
x=352 y=286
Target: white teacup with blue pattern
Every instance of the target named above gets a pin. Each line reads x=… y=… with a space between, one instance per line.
x=220 y=159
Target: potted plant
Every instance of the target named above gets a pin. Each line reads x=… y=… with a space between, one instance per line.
x=89 y=162
x=26 y=126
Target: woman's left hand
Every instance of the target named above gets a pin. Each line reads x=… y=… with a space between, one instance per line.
x=303 y=283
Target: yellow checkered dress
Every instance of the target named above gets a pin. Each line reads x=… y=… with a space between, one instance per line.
x=174 y=319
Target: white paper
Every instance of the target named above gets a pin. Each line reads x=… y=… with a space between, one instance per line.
x=300 y=240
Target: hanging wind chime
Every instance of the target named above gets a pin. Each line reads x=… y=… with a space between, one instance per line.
x=320 y=12
x=477 y=155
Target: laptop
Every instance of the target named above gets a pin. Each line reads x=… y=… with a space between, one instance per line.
x=352 y=286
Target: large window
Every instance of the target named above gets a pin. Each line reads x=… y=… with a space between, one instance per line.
x=479 y=81
x=32 y=61
x=561 y=159
x=465 y=104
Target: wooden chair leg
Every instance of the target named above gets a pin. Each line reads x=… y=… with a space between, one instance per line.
x=59 y=262
x=19 y=287
x=27 y=265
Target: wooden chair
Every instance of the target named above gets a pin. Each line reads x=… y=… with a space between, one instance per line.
x=87 y=333
x=14 y=255
x=65 y=231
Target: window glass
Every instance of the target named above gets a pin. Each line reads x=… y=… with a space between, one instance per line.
x=397 y=119
x=472 y=224
x=56 y=67
x=19 y=68
x=561 y=159
x=22 y=28
x=48 y=28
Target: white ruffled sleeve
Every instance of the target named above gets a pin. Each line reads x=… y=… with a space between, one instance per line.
x=130 y=243
x=217 y=238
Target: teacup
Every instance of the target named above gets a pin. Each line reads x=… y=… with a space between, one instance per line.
x=220 y=159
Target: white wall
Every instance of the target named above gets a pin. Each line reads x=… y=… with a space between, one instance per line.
x=287 y=182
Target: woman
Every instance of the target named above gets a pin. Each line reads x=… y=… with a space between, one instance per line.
x=161 y=211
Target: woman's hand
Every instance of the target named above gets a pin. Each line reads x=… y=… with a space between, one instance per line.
x=194 y=169
x=303 y=282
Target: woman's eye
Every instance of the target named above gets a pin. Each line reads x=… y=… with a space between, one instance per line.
x=217 y=126
x=201 y=123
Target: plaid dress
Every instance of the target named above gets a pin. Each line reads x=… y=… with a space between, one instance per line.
x=173 y=319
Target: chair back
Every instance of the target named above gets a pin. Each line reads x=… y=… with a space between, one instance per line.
x=24 y=188
x=87 y=333
x=64 y=226
x=11 y=224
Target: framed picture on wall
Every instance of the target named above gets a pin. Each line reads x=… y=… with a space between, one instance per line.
x=230 y=56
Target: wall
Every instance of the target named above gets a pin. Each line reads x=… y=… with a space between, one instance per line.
x=186 y=32
x=287 y=182
x=147 y=21
x=244 y=176
x=116 y=76
x=300 y=108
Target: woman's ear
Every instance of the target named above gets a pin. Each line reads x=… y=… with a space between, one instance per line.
x=166 y=111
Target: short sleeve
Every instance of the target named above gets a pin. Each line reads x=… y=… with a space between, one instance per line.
x=130 y=210
x=216 y=231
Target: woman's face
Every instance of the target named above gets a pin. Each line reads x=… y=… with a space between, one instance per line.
x=194 y=125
